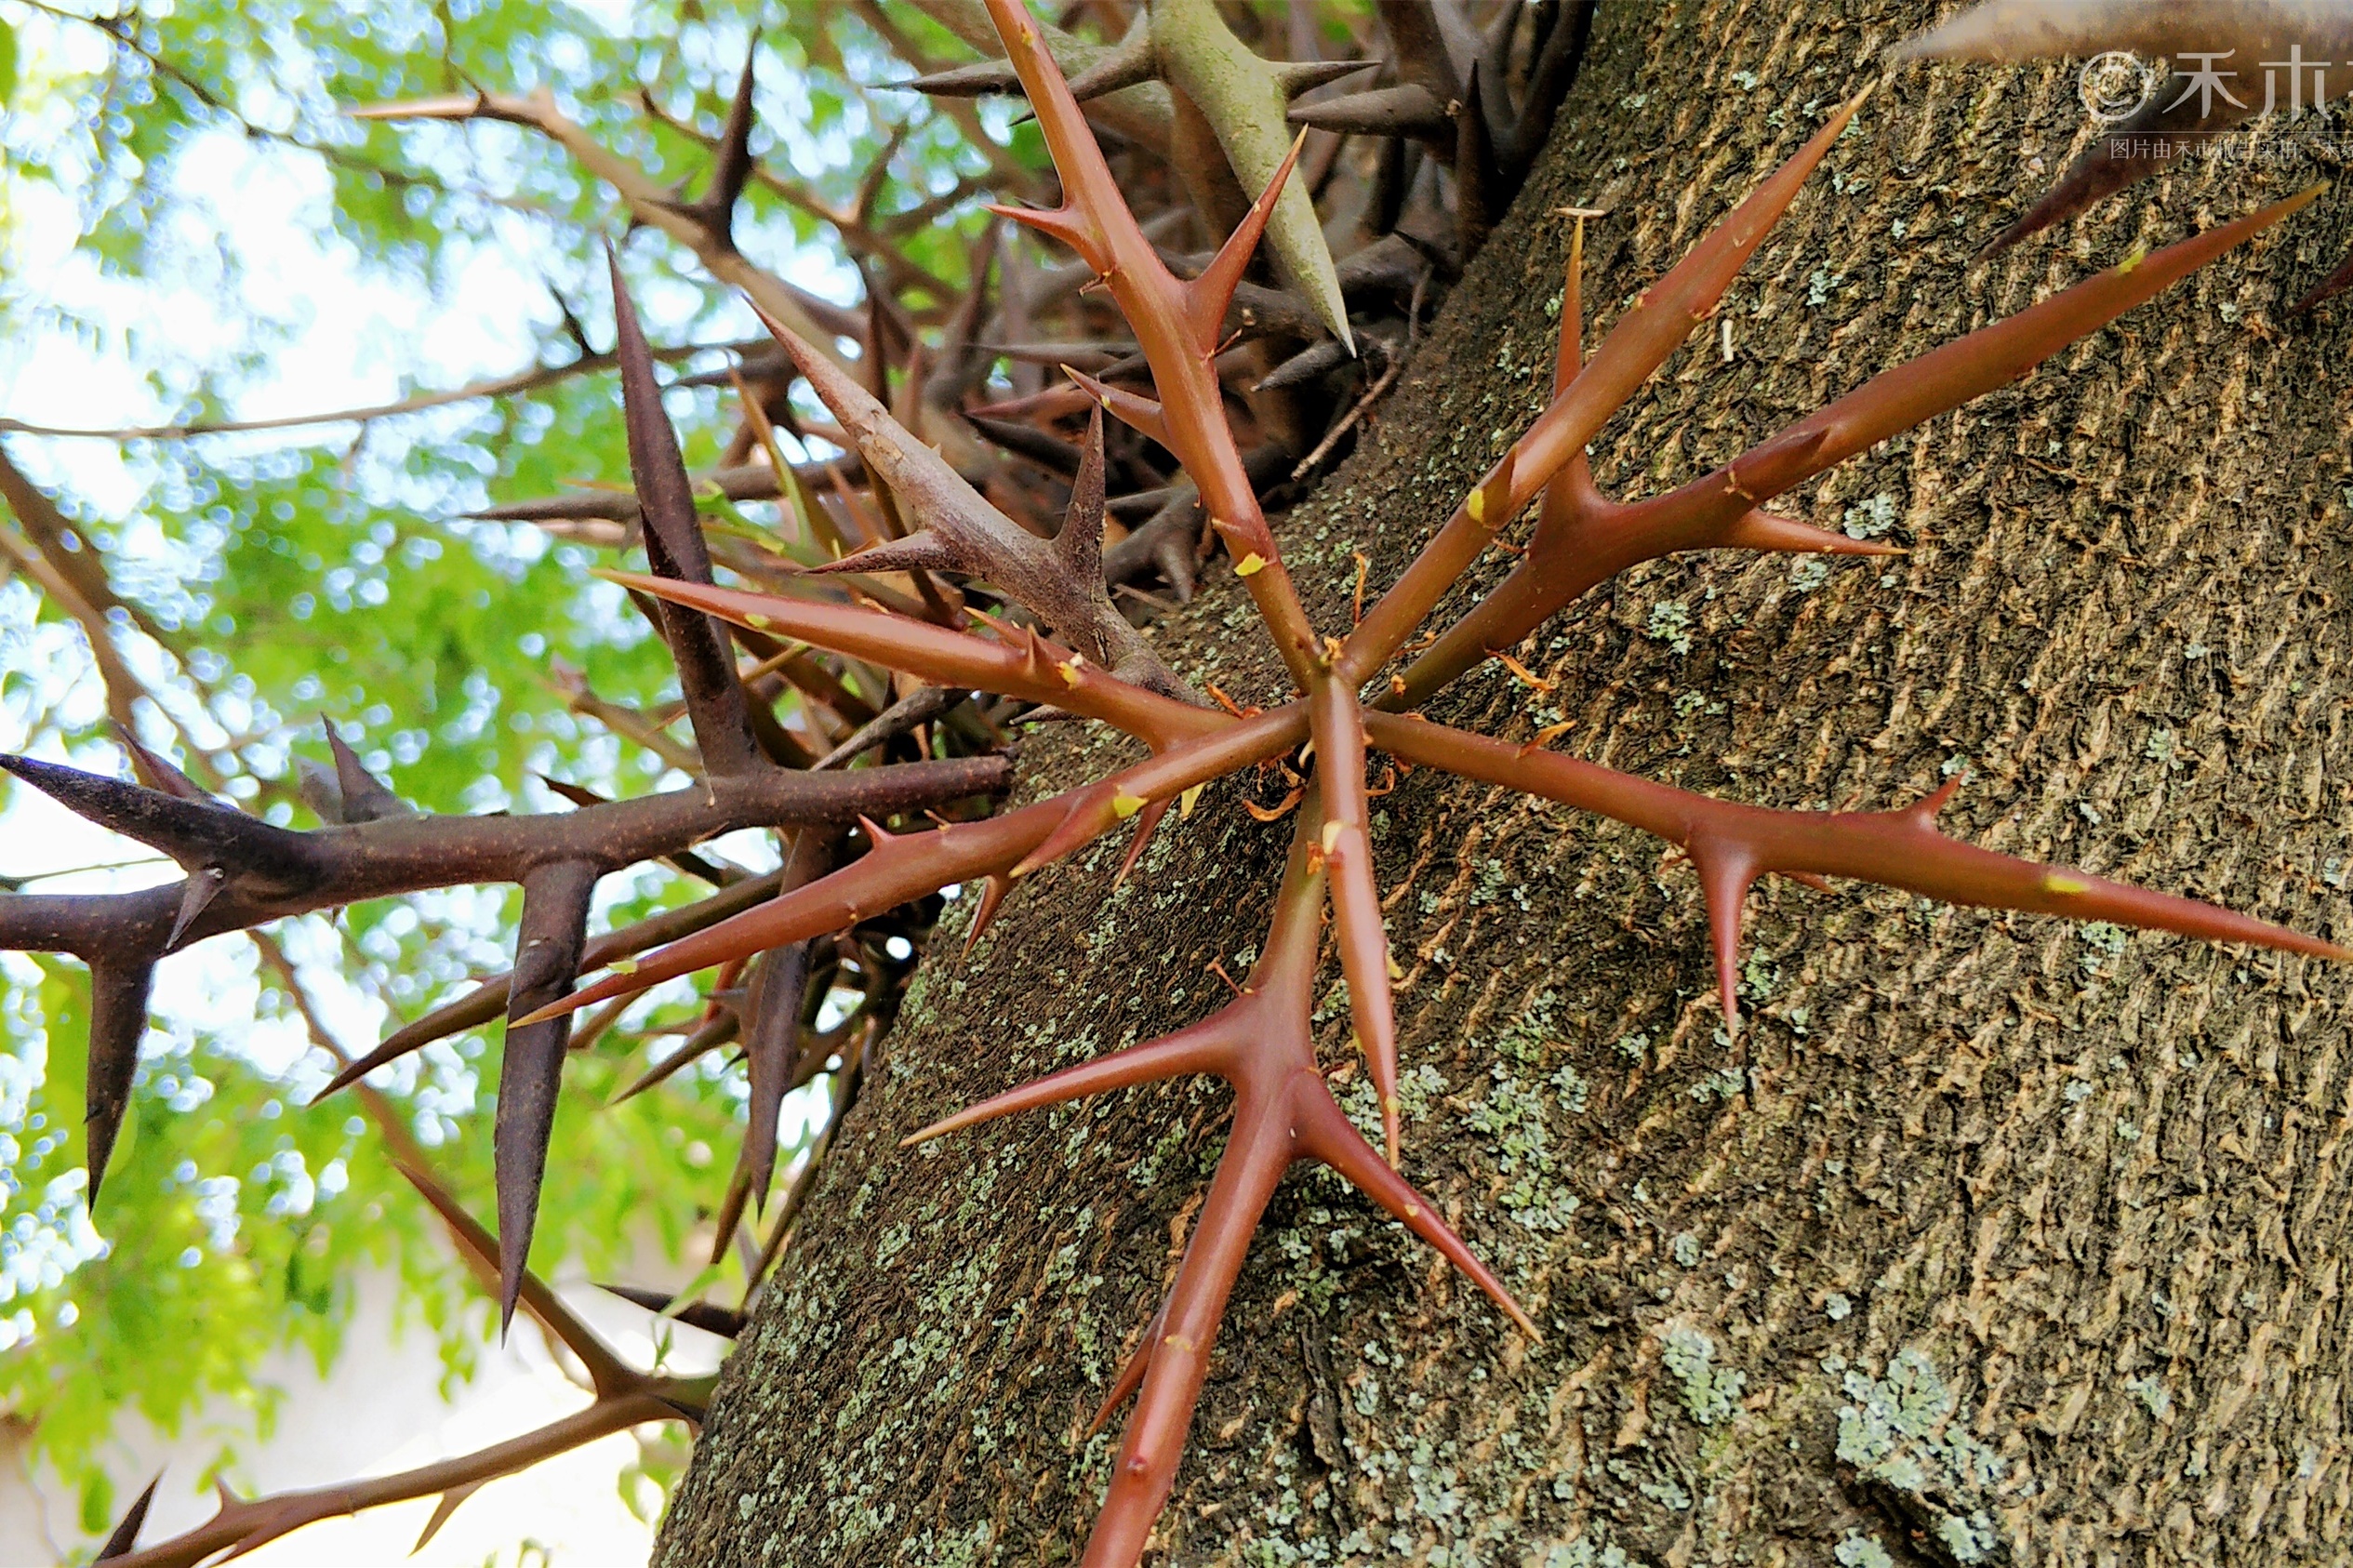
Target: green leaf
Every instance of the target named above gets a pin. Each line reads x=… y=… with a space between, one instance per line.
x=97 y=1504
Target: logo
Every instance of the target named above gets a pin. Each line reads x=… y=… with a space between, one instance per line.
x=2114 y=86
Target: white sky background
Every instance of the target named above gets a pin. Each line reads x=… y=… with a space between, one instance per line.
x=362 y=339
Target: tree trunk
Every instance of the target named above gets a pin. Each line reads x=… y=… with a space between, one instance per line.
x=1990 y=1239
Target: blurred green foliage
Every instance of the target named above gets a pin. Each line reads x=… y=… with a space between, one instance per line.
x=285 y=577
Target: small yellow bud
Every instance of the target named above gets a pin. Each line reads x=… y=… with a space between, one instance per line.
x=1069 y=672
x=1250 y=565
x=1477 y=505
x=1125 y=806
x=2055 y=882
x=2133 y=259
x=1331 y=836
x=1186 y=802
x=757 y=622
x=623 y=966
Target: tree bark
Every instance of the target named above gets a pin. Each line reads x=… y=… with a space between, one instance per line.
x=1990 y=1239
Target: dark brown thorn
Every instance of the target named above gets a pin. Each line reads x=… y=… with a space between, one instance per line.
x=922 y=551
x=476 y=1007
x=1095 y=356
x=365 y=797
x=1308 y=364
x=876 y=356
x=118 y=1021
x=772 y=1034
x=1478 y=181
x=1427 y=46
x=550 y=937
x=126 y=1533
x=980 y=79
x=1402 y=112
x=708 y=1316
x=155 y=772
x=1129 y=63
x=1080 y=542
x=1165 y=541
x=1025 y=440
x=686 y=860
x=1559 y=56
x=720 y=1031
x=195 y=833
x=575 y=331
x=2174 y=119
x=447 y=1506
x=916 y=708
x=1300 y=76
x=203 y=884
x=675 y=548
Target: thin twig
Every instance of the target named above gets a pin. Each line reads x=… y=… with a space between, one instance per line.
x=1364 y=406
x=537 y=379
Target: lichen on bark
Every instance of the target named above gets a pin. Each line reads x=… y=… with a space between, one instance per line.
x=1992 y=1238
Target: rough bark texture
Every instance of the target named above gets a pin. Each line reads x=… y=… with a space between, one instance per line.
x=1990 y=1239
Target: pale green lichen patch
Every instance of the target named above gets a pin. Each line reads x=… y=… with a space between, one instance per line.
x=1873 y=518
x=1711 y=1392
x=1669 y=623
x=1863 y=1551
x=1513 y=1117
x=2152 y=1392
x=1725 y=1083
x=1583 y=1553
x=1908 y=1431
x=1417 y=1086
x=2102 y=944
